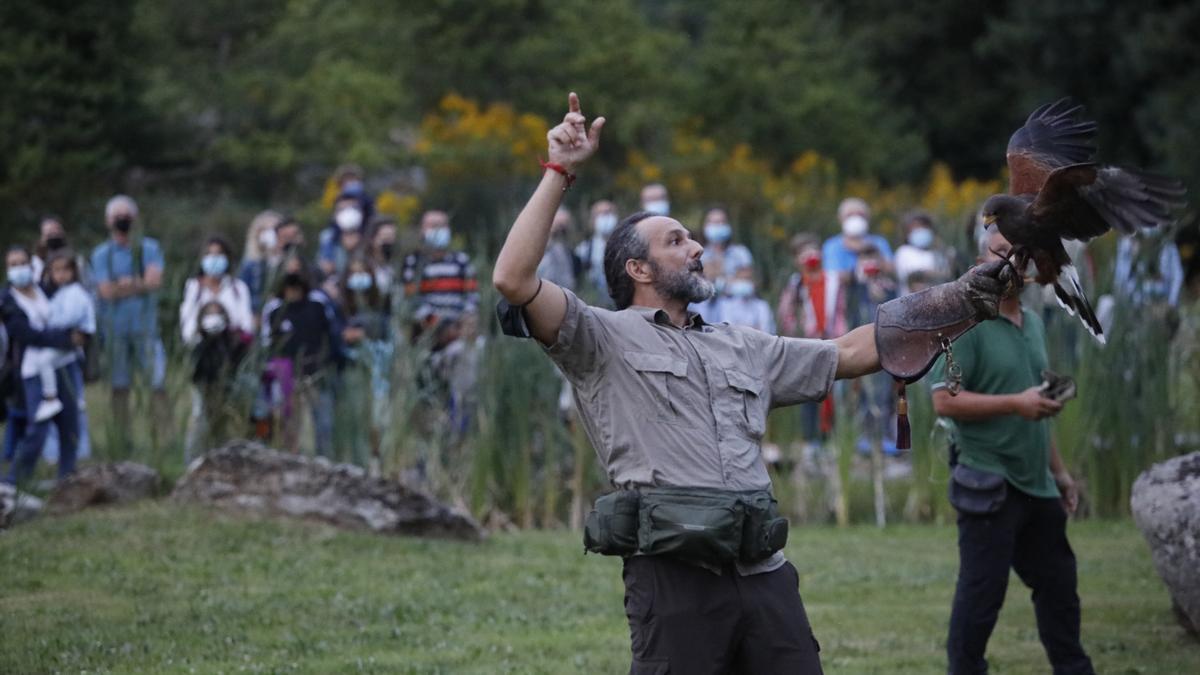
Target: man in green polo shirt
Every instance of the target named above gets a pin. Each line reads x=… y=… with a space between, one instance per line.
x=1000 y=416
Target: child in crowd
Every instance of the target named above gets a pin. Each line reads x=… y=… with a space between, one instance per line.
x=219 y=352
x=369 y=348
x=301 y=335
x=741 y=305
x=70 y=307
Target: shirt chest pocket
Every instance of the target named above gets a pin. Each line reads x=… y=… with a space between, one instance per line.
x=743 y=402
x=655 y=386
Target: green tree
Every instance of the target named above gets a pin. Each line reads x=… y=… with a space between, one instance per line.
x=70 y=116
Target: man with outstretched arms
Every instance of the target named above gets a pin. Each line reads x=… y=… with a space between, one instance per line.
x=675 y=409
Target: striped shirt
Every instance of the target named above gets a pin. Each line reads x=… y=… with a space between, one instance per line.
x=445 y=286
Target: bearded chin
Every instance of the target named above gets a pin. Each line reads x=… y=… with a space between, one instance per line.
x=682 y=285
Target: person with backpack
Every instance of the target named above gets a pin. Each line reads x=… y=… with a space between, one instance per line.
x=128 y=270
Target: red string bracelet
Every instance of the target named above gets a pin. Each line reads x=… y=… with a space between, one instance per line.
x=555 y=166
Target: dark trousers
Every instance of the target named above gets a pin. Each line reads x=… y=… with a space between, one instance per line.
x=685 y=619
x=1028 y=534
x=29 y=447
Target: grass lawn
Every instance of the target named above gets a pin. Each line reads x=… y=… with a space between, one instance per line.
x=161 y=588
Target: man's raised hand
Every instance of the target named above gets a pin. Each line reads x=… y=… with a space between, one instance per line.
x=571 y=142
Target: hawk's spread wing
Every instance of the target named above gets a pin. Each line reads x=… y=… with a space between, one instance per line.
x=1082 y=201
x=1051 y=138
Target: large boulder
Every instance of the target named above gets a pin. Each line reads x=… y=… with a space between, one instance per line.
x=249 y=477
x=1166 y=507
x=98 y=484
x=16 y=506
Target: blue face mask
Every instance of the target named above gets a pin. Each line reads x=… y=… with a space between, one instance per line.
x=741 y=288
x=659 y=207
x=606 y=223
x=20 y=275
x=359 y=281
x=438 y=237
x=921 y=237
x=718 y=232
x=214 y=264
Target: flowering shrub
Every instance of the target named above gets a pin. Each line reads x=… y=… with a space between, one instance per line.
x=463 y=141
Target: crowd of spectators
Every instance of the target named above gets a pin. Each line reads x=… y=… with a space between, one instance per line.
x=314 y=333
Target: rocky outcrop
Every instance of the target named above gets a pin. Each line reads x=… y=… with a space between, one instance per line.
x=1166 y=507
x=252 y=478
x=16 y=507
x=99 y=484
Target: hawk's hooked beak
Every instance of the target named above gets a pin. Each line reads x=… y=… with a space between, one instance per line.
x=989 y=220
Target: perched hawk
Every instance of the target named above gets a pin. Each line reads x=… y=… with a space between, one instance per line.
x=1057 y=192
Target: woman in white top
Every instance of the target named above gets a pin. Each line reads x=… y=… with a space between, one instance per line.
x=919 y=253
x=214 y=283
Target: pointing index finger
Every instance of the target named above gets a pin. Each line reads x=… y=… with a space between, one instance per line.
x=573 y=102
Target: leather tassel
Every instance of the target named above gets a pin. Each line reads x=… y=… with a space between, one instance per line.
x=903 y=431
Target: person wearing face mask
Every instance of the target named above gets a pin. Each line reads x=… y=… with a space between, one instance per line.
x=128 y=269
x=25 y=313
x=53 y=237
x=812 y=305
x=439 y=283
x=590 y=251
x=261 y=258
x=872 y=285
x=840 y=252
x=722 y=258
x=214 y=283
x=343 y=235
x=919 y=253
x=381 y=254
x=365 y=398
x=351 y=182
x=655 y=199
x=216 y=355
x=741 y=306
x=70 y=307
x=304 y=345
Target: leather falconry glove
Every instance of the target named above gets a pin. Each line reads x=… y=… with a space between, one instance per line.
x=912 y=330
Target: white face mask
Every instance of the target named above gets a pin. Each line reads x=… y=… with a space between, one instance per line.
x=606 y=223
x=212 y=323
x=267 y=239
x=348 y=219
x=659 y=207
x=854 y=226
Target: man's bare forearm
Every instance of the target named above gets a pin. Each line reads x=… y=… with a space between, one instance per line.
x=969 y=405
x=515 y=273
x=857 y=355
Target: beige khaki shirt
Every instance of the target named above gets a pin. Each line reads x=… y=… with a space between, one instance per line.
x=670 y=406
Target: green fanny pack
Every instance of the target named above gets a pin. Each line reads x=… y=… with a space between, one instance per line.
x=702 y=525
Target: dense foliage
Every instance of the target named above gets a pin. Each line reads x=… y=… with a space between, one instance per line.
x=262 y=98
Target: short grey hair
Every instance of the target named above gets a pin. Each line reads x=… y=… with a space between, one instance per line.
x=853 y=205
x=117 y=201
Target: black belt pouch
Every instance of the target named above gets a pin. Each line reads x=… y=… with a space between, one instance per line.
x=691 y=524
x=976 y=492
x=764 y=531
x=612 y=526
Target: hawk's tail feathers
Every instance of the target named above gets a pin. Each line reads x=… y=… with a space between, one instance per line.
x=1069 y=293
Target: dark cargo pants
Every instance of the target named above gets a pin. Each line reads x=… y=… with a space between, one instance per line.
x=687 y=620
